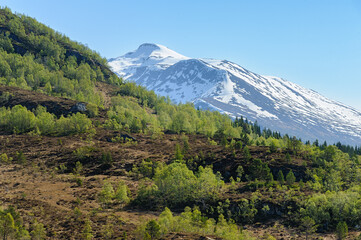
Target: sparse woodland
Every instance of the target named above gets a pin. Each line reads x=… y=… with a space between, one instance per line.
x=133 y=165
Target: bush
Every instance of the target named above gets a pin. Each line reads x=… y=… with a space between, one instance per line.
x=20 y=120
x=175 y=184
x=191 y=221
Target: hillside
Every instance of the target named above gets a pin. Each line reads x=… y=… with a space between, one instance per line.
x=135 y=166
x=227 y=87
x=36 y=57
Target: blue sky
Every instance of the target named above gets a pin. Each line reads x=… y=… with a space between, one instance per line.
x=316 y=44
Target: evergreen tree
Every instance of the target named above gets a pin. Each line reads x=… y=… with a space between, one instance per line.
x=341 y=230
x=308 y=225
x=290 y=178
x=280 y=177
x=246 y=154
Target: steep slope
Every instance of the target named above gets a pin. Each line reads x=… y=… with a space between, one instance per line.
x=229 y=88
x=35 y=57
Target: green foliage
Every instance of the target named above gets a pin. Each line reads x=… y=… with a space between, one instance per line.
x=280 y=177
x=153 y=229
x=240 y=172
x=245 y=211
x=246 y=154
x=62 y=168
x=341 y=230
x=107 y=158
x=48 y=61
x=38 y=232
x=238 y=145
x=107 y=231
x=192 y=221
x=331 y=208
x=83 y=152
x=4 y=159
x=92 y=110
x=288 y=158
x=273 y=146
x=77 y=170
x=175 y=184
x=11 y=226
x=260 y=170
x=290 y=178
x=87 y=233
x=308 y=226
x=20 y=120
x=7 y=225
x=178 y=156
x=107 y=195
x=127 y=114
x=20 y=158
x=121 y=194
x=145 y=169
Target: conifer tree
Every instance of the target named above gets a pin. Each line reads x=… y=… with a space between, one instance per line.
x=290 y=178
x=280 y=177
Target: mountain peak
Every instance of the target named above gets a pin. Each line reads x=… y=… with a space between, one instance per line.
x=146 y=55
x=156 y=51
x=150 y=46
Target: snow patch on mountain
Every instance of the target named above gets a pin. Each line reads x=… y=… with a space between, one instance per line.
x=226 y=87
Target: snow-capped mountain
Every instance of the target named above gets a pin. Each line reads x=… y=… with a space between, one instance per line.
x=229 y=88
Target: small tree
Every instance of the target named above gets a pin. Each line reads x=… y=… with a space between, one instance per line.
x=107 y=158
x=78 y=168
x=224 y=141
x=7 y=225
x=178 y=156
x=272 y=147
x=38 y=232
x=4 y=158
x=107 y=231
x=341 y=230
x=246 y=153
x=288 y=158
x=153 y=229
x=290 y=178
x=87 y=230
x=308 y=226
x=238 y=145
x=280 y=177
x=121 y=195
x=240 y=172
x=185 y=144
x=20 y=158
x=107 y=193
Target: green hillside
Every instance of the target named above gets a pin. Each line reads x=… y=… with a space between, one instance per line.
x=36 y=57
x=132 y=165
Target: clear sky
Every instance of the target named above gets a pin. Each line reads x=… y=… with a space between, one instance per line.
x=316 y=44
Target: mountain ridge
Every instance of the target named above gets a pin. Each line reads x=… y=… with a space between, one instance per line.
x=227 y=87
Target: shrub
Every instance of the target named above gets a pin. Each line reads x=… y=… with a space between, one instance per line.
x=175 y=184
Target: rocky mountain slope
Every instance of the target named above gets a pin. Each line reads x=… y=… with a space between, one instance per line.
x=229 y=88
